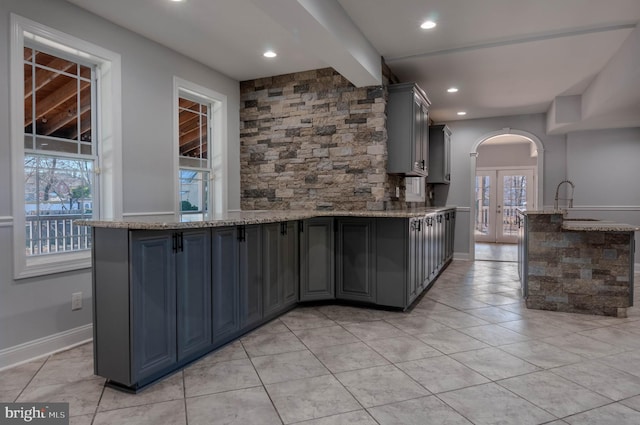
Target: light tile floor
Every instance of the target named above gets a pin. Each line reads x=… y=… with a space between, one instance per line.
x=469 y=352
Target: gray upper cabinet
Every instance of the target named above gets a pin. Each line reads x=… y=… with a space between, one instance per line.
x=225 y=289
x=408 y=130
x=317 y=259
x=439 y=154
x=356 y=259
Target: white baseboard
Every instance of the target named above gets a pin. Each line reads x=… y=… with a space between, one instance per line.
x=46 y=346
x=462 y=256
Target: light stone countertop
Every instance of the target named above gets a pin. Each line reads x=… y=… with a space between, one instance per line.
x=585 y=225
x=250 y=217
x=597 y=226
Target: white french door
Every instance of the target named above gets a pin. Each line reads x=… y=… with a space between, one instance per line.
x=499 y=194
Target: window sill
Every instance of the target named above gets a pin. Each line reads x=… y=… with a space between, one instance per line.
x=54 y=263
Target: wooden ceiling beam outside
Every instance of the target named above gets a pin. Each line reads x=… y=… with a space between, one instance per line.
x=45 y=76
x=57 y=98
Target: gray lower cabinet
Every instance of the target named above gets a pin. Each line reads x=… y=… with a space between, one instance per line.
x=250 y=274
x=151 y=302
x=194 y=293
x=225 y=298
x=398 y=261
x=317 y=259
x=416 y=259
x=153 y=284
x=164 y=298
x=171 y=277
x=279 y=266
x=356 y=259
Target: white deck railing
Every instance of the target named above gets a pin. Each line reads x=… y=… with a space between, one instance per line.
x=55 y=234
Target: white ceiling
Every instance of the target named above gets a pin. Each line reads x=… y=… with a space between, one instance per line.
x=507 y=57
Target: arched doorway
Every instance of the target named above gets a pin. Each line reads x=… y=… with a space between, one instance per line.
x=506 y=174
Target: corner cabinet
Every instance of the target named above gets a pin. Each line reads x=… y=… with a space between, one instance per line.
x=356 y=259
x=408 y=130
x=439 y=154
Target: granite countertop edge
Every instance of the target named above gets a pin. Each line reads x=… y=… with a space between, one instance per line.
x=587 y=225
x=598 y=226
x=251 y=217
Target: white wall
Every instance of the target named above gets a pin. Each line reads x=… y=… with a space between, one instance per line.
x=39 y=307
x=605 y=167
x=466 y=133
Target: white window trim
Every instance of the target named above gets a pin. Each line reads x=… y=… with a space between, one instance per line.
x=109 y=138
x=218 y=149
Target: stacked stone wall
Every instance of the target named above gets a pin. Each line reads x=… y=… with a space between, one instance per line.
x=313 y=141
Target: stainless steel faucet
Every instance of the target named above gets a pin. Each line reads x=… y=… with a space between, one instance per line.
x=573 y=186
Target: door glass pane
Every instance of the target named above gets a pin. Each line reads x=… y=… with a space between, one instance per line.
x=514 y=198
x=483 y=190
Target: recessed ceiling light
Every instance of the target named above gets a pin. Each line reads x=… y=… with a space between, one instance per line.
x=177 y=1
x=427 y=25
x=462 y=113
x=270 y=54
x=452 y=90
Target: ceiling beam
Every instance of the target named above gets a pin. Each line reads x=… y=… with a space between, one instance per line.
x=326 y=31
x=610 y=100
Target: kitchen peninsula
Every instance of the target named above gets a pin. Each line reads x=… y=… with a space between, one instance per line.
x=575 y=265
x=165 y=294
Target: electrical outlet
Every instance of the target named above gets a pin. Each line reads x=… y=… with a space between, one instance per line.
x=76 y=301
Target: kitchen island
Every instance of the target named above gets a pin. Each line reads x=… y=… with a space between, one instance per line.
x=575 y=265
x=167 y=293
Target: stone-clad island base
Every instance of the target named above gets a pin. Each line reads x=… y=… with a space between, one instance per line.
x=577 y=266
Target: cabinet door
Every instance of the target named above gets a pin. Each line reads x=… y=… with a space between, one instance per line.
x=225 y=288
x=447 y=155
x=440 y=227
x=433 y=246
x=273 y=297
x=250 y=275
x=424 y=139
x=194 y=292
x=356 y=257
x=439 y=154
x=289 y=262
x=153 y=280
x=415 y=272
x=418 y=137
x=452 y=233
x=426 y=255
x=317 y=259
